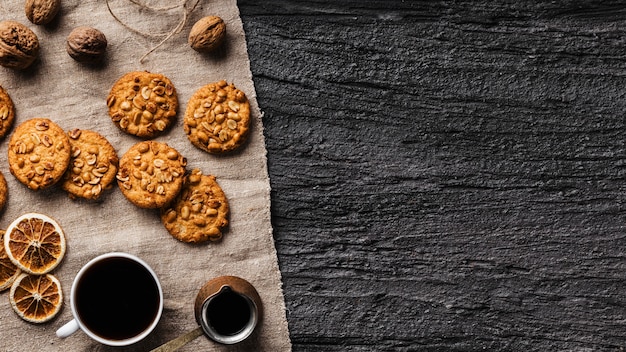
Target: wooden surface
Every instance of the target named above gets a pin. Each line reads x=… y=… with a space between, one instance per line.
x=446 y=176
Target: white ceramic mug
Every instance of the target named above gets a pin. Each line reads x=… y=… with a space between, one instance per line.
x=116 y=299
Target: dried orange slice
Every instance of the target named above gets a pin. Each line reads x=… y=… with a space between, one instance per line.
x=8 y=270
x=35 y=243
x=36 y=298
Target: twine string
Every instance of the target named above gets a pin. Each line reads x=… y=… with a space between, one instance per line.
x=185 y=10
x=165 y=8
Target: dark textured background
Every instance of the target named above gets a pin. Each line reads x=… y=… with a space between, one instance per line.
x=446 y=175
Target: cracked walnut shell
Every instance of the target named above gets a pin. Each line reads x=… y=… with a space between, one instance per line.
x=207 y=34
x=19 y=45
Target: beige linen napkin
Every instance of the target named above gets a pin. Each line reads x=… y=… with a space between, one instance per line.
x=74 y=95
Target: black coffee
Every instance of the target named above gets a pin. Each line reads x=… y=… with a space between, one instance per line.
x=117 y=298
x=228 y=313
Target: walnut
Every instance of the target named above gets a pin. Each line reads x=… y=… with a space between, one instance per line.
x=41 y=11
x=86 y=44
x=19 y=46
x=207 y=34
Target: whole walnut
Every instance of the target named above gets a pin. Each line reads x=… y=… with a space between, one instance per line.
x=19 y=46
x=41 y=11
x=207 y=34
x=86 y=44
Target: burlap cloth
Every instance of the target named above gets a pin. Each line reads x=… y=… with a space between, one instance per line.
x=74 y=95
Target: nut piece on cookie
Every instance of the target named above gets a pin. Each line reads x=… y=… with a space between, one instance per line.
x=217 y=118
x=39 y=153
x=93 y=165
x=151 y=174
x=200 y=212
x=7 y=113
x=143 y=104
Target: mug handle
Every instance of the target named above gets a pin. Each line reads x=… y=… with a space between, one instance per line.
x=69 y=328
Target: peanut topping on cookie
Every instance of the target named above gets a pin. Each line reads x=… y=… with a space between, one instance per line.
x=217 y=118
x=151 y=174
x=39 y=153
x=143 y=104
x=7 y=112
x=4 y=192
x=93 y=165
x=200 y=212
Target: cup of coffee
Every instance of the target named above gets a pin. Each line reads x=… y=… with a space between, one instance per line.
x=228 y=309
x=116 y=299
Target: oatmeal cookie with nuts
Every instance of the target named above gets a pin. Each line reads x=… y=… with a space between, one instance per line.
x=7 y=113
x=151 y=174
x=200 y=212
x=217 y=118
x=39 y=153
x=93 y=165
x=143 y=104
x=4 y=192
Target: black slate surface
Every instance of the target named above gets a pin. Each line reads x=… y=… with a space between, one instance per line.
x=446 y=175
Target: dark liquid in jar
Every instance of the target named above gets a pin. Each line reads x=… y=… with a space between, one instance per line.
x=228 y=313
x=117 y=298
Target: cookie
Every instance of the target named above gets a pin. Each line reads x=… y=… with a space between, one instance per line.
x=143 y=104
x=39 y=153
x=93 y=165
x=217 y=118
x=200 y=212
x=7 y=113
x=151 y=174
x=4 y=192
